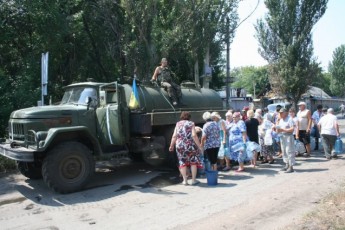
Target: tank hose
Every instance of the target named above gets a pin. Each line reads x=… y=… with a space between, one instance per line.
x=108 y=125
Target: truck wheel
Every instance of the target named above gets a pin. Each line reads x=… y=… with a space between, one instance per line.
x=68 y=167
x=30 y=170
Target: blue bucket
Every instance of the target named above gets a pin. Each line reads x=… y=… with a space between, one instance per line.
x=212 y=177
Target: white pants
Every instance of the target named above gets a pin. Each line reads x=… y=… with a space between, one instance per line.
x=287 y=143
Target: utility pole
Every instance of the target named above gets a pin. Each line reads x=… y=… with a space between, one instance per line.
x=227 y=62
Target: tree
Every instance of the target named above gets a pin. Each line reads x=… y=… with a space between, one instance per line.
x=286 y=43
x=252 y=78
x=337 y=70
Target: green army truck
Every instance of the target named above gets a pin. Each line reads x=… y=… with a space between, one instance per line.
x=60 y=143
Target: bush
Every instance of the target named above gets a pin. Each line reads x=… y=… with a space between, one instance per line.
x=7 y=164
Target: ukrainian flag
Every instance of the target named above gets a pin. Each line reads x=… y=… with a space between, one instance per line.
x=134 y=100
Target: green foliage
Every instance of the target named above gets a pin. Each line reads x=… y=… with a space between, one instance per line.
x=337 y=71
x=7 y=164
x=286 y=43
x=250 y=77
x=105 y=40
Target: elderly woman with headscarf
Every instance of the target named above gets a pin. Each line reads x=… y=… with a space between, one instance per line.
x=266 y=141
x=210 y=140
x=238 y=137
x=188 y=147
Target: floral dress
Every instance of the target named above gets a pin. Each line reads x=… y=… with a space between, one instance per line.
x=186 y=149
x=211 y=131
x=235 y=136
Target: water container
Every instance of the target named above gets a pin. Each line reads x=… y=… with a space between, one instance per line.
x=207 y=164
x=212 y=177
x=338 y=148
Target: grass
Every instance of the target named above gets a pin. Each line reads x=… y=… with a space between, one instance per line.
x=7 y=164
x=329 y=214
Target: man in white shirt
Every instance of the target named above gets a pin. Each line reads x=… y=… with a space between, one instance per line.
x=329 y=129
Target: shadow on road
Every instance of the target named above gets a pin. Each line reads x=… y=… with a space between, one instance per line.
x=103 y=185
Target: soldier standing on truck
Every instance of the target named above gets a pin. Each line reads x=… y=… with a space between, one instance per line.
x=164 y=75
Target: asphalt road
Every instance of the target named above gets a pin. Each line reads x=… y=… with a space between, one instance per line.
x=141 y=197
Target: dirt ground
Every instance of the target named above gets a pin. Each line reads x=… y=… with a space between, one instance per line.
x=141 y=197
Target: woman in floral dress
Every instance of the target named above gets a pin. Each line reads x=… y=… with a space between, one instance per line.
x=238 y=136
x=188 y=147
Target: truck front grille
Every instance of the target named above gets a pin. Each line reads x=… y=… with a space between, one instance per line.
x=16 y=131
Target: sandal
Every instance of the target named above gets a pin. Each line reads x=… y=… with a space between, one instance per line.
x=271 y=162
x=227 y=168
x=195 y=182
x=185 y=183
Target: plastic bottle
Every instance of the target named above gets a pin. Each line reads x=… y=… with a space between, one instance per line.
x=338 y=147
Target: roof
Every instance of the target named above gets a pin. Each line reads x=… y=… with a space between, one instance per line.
x=315 y=92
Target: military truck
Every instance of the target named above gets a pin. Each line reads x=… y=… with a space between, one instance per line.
x=60 y=143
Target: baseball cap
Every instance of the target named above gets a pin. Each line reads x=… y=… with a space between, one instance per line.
x=282 y=110
x=302 y=103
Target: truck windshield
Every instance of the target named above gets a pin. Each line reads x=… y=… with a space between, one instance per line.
x=78 y=95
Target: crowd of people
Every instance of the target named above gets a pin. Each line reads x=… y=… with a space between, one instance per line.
x=251 y=136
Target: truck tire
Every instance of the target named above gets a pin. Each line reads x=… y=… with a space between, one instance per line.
x=30 y=170
x=68 y=167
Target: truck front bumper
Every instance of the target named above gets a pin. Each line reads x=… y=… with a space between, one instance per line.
x=17 y=153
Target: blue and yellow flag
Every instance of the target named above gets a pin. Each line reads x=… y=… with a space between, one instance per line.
x=134 y=100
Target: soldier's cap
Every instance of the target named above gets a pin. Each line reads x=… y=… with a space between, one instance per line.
x=283 y=110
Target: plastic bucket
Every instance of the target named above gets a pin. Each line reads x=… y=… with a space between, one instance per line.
x=212 y=177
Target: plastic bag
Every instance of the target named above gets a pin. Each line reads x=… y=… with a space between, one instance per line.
x=240 y=146
x=313 y=132
x=299 y=146
x=268 y=138
x=251 y=147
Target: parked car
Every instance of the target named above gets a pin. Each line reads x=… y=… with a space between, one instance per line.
x=272 y=107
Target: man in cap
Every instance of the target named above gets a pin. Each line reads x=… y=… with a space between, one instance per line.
x=304 y=126
x=285 y=127
x=164 y=75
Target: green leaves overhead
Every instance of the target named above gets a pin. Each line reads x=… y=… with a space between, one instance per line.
x=285 y=41
x=337 y=70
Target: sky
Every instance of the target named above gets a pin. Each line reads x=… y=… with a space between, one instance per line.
x=328 y=34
